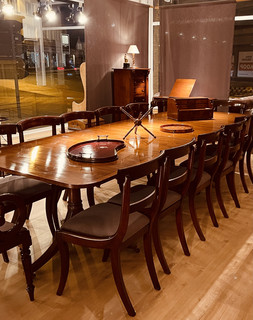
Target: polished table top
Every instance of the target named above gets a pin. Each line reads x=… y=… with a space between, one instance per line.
x=45 y=159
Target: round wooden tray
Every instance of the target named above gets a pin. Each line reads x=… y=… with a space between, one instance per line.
x=101 y=150
x=176 y=128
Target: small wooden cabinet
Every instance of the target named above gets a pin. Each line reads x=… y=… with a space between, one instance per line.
x=130 y=85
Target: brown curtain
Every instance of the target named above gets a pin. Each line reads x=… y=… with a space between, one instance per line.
x=112 y=26
x=196 y=43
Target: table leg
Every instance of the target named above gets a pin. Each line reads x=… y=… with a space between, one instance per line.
x=74 y=202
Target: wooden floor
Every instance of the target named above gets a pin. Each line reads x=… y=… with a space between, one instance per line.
x=215 y=282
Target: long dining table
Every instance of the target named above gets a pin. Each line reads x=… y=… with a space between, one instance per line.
x=46 y=159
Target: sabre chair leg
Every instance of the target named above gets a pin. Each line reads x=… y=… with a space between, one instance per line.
x=219 y=197
x=242 y=175
x=118 y=278
x=90 y=196
x=159 y=249
x=106 y=255
x=64 y=253
x=5 y=256
x=210 y=205
x=180 y=231
x=248 y=160
x=147 y=242
x=194 y=217
x=231 y=185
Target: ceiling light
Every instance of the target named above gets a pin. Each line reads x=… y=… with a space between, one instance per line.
x=8 y=9
x=50 y=15
x=81 y=18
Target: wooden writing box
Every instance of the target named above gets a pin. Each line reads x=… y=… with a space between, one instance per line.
x=183 y=109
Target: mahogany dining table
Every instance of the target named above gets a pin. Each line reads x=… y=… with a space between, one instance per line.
x=46 y=159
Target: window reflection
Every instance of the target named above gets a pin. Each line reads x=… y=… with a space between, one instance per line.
x=40 y=60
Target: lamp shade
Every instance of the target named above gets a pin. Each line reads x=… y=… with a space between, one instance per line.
x=133 y=49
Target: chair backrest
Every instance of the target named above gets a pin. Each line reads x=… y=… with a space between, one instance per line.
x=39 y=121
x=248 y=131
x=177 y=177
x=76 y=115
x=113 y=112
x=136 y=108
x=152 y=199
x=8 y=130
x=234 y=135
x=208 y=152
x=9 y=230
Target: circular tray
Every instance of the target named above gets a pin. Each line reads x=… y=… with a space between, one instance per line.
x=176 y=128
x=102 y=150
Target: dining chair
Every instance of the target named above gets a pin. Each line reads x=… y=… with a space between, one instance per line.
x=246 y=145
x=39 y=121
x=38 y=190
x=76 y=115
x=206 y=162
x=248 y=156
x=109 y=113
x=177 y=179
x=175 y=187
x=232 y=148
x=13 y=234
x=112 y=227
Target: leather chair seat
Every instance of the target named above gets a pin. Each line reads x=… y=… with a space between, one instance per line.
x=102 y=221
x=22 y=234
x=23 y=186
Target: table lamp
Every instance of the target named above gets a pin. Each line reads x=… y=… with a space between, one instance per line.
x=133 y=50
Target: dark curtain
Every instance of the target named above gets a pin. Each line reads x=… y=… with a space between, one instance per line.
x=196 y=43
x=112 y=26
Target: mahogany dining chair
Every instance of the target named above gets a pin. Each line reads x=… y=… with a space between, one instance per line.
x=112 y=227
x=39 y=121
x=233 y=142
x=206 y=162
x=246 y=148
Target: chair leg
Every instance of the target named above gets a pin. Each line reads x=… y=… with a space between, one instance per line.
x=231 y=185
x=26 y=261
x=64 y=254
x=65 y=196
x=147 y=242
x=219 y=196
x=5 y=256
x=242 y=176
x=210 y=205
x=248 y=160
x=118 y=278
x=180 y=231
x=29 y=209
x=159 y=248
x=90 y=196
x=106 y=255
x=194 y=217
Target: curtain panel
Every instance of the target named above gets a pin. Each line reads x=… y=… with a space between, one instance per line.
x=112 y=26
x=196 y=43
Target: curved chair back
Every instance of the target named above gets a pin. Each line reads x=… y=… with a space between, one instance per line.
x=113 y=113
x=39 y=121
x=8 y=130
x=76 y=115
